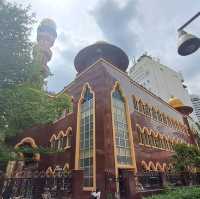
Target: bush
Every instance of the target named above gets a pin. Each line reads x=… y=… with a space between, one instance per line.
x=179 y=193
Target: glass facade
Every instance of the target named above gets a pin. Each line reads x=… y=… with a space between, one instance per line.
x=121 y=129
x=86 y=138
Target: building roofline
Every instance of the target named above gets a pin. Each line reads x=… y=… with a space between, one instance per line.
x=125 y=74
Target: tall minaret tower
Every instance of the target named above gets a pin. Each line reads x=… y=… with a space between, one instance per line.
x=46 y=36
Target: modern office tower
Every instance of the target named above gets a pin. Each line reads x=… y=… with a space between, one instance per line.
x=159 y=79
x=196 y=105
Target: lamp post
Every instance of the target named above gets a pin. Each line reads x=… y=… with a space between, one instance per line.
x=187 y=43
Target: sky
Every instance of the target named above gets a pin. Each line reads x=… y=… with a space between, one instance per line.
x=137 y=26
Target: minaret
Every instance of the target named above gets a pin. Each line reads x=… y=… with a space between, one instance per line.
x=46 y=36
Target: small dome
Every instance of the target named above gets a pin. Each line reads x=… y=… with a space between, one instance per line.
x=48 y=22
x=47 y=28
x=101 y=49
x=179 y=106
x=175 y=102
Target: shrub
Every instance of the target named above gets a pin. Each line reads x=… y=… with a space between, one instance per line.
x=179 y=193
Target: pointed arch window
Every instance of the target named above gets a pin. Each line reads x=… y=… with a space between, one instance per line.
x=135 y=103
x=86 y=159
x=53 y=142
x=154 y=113
x=121 y=129
x=141 y=108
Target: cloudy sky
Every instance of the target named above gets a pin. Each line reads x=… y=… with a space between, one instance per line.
x=137 y=26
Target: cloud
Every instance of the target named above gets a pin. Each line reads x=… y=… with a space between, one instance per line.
x=115 y=21
x=134 y=25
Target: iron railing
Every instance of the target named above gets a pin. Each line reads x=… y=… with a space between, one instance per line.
x=37 y=187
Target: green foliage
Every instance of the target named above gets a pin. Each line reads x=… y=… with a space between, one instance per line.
x=185 y=158
x=23 y=102
x=179 y=193
x=27 y=107
x=15 y=46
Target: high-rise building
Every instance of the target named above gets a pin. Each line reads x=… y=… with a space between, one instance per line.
x=196 y=105
x=160 y=79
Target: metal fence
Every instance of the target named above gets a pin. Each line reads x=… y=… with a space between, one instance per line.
x=158 y=180
x=37 y=187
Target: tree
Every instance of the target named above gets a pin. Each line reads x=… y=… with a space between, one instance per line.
x=15 y=46
x=23 y=102
x=186 y=158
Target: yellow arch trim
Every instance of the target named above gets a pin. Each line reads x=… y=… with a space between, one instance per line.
x=133 y=165
x=68 y=131
x=53 y=137
x=146 y=130
x=66 y=167
x=49 y=171
x=143 y=163
x=27 y=140
x=77 y=155
x=60 y=134
x=151 y=165
x=31 y=141
x=159 y=167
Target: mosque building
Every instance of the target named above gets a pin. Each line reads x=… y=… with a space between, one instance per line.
x=116 y=127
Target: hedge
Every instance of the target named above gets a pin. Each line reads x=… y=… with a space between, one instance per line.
x=179 y=193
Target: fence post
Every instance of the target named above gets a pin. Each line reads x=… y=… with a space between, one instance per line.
x=163 y=179
x=77 y=184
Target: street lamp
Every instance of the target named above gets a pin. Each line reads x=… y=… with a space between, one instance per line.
x=187 y=43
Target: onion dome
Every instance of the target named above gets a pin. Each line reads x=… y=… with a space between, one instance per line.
x=47 y=32
x=179 y=106
x=89 y=55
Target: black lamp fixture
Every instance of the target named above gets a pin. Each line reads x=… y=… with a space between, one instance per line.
x=187 y=43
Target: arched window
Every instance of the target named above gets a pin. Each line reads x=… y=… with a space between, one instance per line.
x=154 y=113
x=159 y=116
x=151 y=141
x=164 y=118
x=141 y=108
x=121 y=128
x=68 y=138
x=60 y=143
x=135 y=103
x=147 y=137
x=86 y=158
x=60 y=140
x=147 y=110
x=53 y=142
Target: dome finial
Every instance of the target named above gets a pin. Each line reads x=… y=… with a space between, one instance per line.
x=177 y=104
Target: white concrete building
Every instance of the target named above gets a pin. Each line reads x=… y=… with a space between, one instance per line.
x=160 y=79
x=196 y=105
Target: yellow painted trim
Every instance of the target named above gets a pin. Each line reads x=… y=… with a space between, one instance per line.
x=159 y=167
x=53 y=137
x=160 y=116
x=132 y=149
x=66 y=167
x=50 y=171
x=30 y=141
x=77 y=153
x=60 y=134
x=143 y=163
x=89 y=189
x=151 y=164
